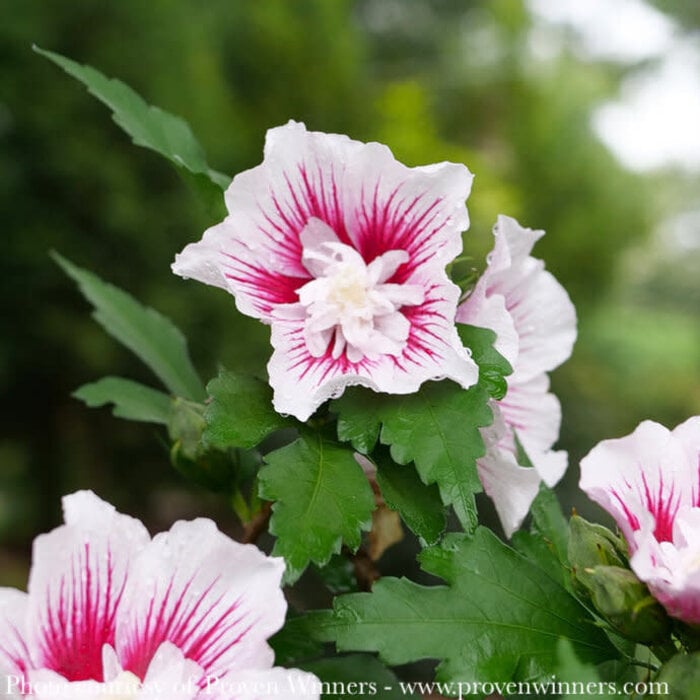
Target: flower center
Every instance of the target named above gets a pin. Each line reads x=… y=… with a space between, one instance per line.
x=349 y=305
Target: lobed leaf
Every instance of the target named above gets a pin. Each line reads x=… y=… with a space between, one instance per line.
x=323 y=499
x=499 y=619
x=131 y=400
x=438 y=429
x=148 y=334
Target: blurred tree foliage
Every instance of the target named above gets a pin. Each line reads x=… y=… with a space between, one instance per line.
x=434 y=79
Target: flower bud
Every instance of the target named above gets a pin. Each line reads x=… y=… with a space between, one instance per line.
x=625 y=602
x=592 y=545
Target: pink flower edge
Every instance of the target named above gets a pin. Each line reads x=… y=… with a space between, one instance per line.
x=649 y=481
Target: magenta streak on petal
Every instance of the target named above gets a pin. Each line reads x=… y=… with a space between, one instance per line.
x=664 y=510
x=74 y=637
x=631 y=517
x=267 y=288
x=387 y=227
x=320 y=208
x=17 y=653
x=187 y=626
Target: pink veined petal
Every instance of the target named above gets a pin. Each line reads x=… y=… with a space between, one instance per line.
x=267 y=684
x=688 y=436
x=670 y=569
x=15 y=657
x=641 y=480
x=302 y=381
x=535 y=415
x=389 y=206
x=542 y=317
x=214 y=599
x=511 y=487
x=78 y=575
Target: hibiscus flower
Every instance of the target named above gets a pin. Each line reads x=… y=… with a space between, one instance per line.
x=342 y=251
x=649 y=482
x=112 y=613
x=535 y=325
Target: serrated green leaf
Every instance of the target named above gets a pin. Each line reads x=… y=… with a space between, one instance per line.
x=240 y=413
x=499 y=618
x=419 y=505
x=493 y=367
x=323 y=499
x=131 y=400
x=150 y=127
x=148 y=334
x=356 y=675
x=438 y=429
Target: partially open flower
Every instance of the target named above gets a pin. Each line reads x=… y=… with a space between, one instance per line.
x=112 y=613
x=649 y=482
x=535 y=325
x=342 y=250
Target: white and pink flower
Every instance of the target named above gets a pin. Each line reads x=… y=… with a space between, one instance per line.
x=112 y=613
x=649 y=482
x=342 y=250
x=535 y=325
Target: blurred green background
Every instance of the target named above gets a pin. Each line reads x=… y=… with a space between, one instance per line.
x=434 y=79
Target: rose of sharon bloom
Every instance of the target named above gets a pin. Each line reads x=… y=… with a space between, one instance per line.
x=649 y=482
x=113 y=614
x=342 y=250
x=535 y=325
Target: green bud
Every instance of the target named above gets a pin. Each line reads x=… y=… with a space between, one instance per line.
x=625 y=602
x=186 y=427
x=592 y=545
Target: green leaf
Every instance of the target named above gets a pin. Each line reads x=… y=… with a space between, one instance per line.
x=438 y=429
x=148 y=334
x=323 y=499
x=499 y=619
x=549 y=522
x=547 y=541
x=359 y=418
x=419 y=505
x=574 y=672
x=240 y=413
x=148 y=126
x=680 y=678
x=131 y=400
x=493 y=367
x=356 y=675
